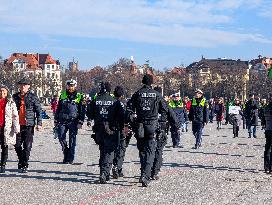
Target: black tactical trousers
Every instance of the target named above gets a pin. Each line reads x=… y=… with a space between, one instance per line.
x=119 y=153
x=161 y=140
x=107 y=145
x=4 y=153
x=146 y=144
x=235 y=129
x=23 y=145
x=268 y=151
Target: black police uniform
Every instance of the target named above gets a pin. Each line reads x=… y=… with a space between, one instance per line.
x=117 y=123
x=147 y=103
x=99 y=111
x=161 y=138
x=70 y=112
x=199 y=116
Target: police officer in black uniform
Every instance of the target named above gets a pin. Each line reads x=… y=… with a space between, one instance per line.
x=161 y=136
x=118 y=123
x=99 y=111
x=69 y=116
x=147 y=103
x=198 y=114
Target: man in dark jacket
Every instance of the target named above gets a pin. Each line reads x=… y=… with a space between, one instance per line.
x=161 y=136
x=29 y=109
x=251 y=115
x=199 y=116
x=69 y=116
x=147 y=103
x=99 y=110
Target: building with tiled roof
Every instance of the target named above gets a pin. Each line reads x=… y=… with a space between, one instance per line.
x=41 y=65
x=212 y=72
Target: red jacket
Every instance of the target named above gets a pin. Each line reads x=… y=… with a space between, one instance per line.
x=3 y=103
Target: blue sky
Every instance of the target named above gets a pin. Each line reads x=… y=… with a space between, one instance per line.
x=167 y=32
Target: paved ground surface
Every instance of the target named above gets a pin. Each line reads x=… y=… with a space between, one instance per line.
x=223 y=171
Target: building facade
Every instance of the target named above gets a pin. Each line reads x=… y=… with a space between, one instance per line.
x=42 y=68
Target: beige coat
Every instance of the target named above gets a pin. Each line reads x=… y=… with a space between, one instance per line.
x=12 y=126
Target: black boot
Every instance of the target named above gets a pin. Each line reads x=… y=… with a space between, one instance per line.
x=103 y=178
x=120 y=173
x=66 y=155
x=115 y=174
x=2 y=168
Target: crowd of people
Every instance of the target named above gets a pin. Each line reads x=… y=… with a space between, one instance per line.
x=147 y=115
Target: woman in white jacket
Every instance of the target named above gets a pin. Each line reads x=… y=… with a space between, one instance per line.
x=9 y=124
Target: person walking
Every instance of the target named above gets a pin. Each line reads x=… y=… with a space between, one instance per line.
x=29 y=109
x=147 y=104
x=99 y=110
x=177 y=106
x=9 y=124
x=236 y=118
x=251 y=115
x=69 y=116
x=219 y=111
x=199 y=116
x=161 y=136
x=118 y=123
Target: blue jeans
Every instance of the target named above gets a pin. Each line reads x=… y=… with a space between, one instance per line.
x=175 y=135
x=68 y=151
x=252 y=128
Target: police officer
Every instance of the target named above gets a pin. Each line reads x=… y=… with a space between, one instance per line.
x=161 y=136
x=177 y=105
x=199 y=116
x=69 y=116
x=119 y=124
x=147 y=103
x=268 y=136
x=99 y=111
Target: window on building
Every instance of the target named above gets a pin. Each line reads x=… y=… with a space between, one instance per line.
x=22 y=65
x=16 y=65
x=48 y=66
x=48 y=75
x=53 y=75
x=53 y=66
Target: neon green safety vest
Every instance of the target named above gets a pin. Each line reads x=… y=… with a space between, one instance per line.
x=174 y=104
x=202 y=102
x=64 y=96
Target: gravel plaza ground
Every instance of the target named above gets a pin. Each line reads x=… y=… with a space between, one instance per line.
x=225 y=170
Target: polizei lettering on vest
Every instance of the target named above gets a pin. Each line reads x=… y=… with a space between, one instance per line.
x=100 y=102
x=148 y=95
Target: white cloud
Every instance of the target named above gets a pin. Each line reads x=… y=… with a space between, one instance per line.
x=167 y=22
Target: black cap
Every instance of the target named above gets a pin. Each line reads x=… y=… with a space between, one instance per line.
x=118 y=91
x=24 y=81
x=147 y=79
